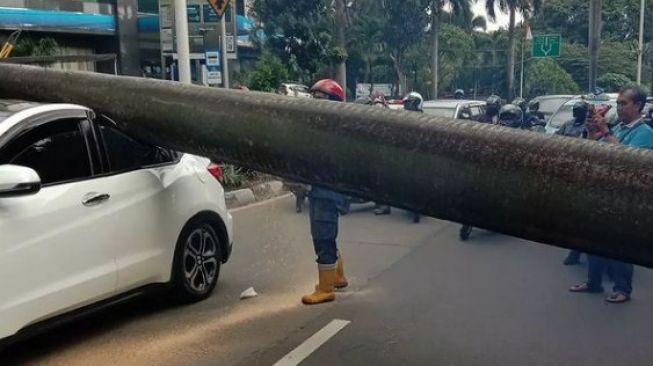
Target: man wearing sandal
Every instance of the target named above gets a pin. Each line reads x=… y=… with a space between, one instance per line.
x=631 y=131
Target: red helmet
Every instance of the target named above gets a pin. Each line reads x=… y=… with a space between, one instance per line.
x=330 y=88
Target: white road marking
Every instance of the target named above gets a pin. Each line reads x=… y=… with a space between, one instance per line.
x=310 y=345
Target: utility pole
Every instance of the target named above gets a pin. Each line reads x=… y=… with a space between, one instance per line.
x=183 y=49
x=341 y=24
x=640 y=48
x=594 y=41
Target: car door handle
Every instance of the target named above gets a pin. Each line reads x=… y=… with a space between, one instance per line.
x=94 y=199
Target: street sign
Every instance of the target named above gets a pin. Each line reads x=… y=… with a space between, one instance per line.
x=546 y=46
x=219 y=6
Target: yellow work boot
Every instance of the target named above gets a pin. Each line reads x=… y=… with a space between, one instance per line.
x=324 y=291
x=341 y=280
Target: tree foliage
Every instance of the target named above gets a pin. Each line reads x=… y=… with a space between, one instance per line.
x=613 y=82
x=545 y=76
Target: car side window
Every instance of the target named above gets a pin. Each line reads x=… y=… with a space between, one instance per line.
x=465 y=113
x=56 y=150
x=476 y=112
x=126 y=153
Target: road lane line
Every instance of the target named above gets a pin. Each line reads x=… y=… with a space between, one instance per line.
x=309 y=346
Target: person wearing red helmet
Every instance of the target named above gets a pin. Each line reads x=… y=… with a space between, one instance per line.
x=324 y=208
x=328 y=89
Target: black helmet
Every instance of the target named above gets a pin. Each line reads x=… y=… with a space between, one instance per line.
x=413 y=102
x=521 y=103
x=534 y=105
x=459 y=94
x=511 y=115
x=493 y=100
x=579 y=110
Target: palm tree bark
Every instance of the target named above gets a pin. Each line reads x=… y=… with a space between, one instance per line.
x=439 y=166
x=435 y=48
x=510 y=77
x=341 y=24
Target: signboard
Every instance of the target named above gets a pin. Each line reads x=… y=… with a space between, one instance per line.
x=209 y=15
x=193 y=12
x=167 y=16
x=546 y=46
x=219 y=6
x=212 y=58
x=167 y=40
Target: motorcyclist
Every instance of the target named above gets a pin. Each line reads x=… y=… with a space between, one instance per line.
x=378 y=100
x=414 y=102
x=575 y=127
x=511 y=115
x=533 y=116
x=492 y=106
x=459 y=94
x=324 y=210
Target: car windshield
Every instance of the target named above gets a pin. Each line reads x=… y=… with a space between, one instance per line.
x=441 y=111
x=565 y=113
x=548 y=106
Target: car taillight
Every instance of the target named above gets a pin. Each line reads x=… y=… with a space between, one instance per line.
x=216 y=171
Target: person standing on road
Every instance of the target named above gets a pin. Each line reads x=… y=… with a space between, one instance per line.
x=575 y=127
x=325 y=206
x=630 y=131
x=414 y=102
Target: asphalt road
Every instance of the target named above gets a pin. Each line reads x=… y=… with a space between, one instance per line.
x=418 y=296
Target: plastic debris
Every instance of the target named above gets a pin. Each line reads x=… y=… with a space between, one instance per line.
x=249 y=293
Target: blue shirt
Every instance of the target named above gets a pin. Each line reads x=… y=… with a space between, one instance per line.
x=637 y=134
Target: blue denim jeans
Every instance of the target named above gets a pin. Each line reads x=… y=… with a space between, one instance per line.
x=324 y=230
x=622 y=273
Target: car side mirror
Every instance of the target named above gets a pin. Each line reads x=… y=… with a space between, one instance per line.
x=18 y=181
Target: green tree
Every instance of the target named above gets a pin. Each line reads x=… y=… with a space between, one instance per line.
x=459 y=8
x=299 y=32
x=613 y=82
x=527 y=8
x=268 y=73
x=545 y=76
x=45 y=46
x=404 y=28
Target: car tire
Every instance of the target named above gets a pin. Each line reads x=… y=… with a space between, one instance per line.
x=196 y=265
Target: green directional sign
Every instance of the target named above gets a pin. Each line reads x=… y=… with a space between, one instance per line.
x=546 y=46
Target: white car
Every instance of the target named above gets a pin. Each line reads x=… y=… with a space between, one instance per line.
x=90 y=215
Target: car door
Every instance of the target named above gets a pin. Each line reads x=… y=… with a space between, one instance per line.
x=138 y=176
x=51 y=257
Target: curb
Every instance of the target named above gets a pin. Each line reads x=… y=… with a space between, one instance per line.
x=259 y=192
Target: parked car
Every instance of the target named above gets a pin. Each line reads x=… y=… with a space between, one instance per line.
x=294 y=90
x=455 y=108
x=564 y=113
x=549 y=104
x=90 y=215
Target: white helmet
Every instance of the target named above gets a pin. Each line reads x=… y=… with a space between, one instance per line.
x=413 y=102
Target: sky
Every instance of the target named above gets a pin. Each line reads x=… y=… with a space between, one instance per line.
x=502 y=19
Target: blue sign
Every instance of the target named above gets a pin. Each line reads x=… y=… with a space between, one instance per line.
x=193 y=13
x=210 y=16
x=212 y=58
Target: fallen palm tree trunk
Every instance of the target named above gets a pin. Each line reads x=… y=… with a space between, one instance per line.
x=570 y=193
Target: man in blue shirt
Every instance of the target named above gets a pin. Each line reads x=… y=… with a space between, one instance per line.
x=630 y=131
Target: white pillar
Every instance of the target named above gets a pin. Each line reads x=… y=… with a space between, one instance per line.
x=183 y=49
x=223 y=49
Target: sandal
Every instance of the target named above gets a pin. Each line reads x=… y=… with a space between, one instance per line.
x=585 y=287
x=618 y=297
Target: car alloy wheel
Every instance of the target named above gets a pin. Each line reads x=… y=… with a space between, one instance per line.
x=200 y=259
